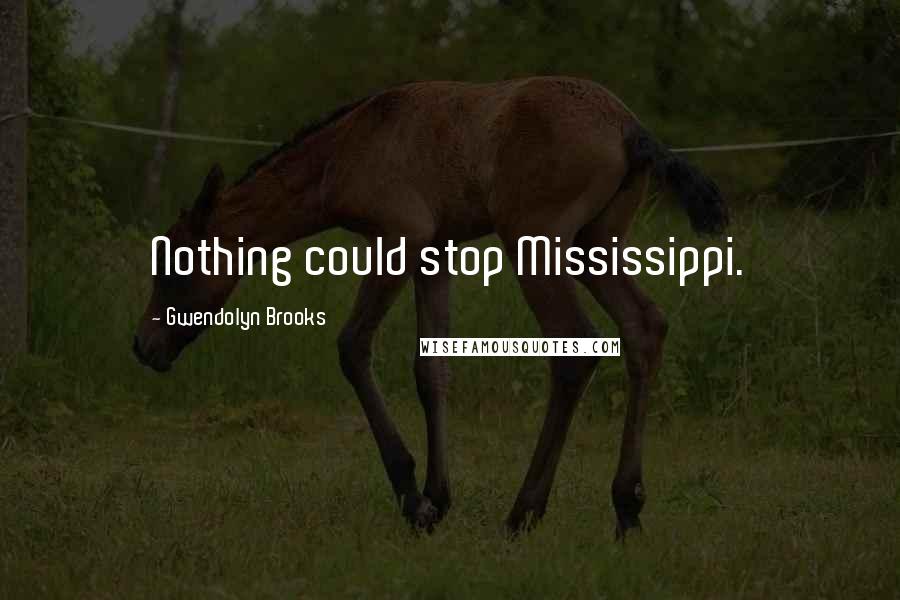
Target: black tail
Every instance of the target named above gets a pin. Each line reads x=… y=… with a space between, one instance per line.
x=696 y=192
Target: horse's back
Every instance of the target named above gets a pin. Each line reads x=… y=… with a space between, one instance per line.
x=475 y=152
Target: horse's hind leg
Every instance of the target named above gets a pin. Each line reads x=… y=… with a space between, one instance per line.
x=554 y=303
x=642 y=328
x=376 y=295
x=432 y=379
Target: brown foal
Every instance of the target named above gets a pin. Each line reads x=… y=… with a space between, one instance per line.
x=436 y=161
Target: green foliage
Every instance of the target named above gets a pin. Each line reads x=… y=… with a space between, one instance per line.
x=764 y=72
x=71 y=229
x=61 y=182
x=57 y=79
x=132 y=90
x=844 y=59
x=800 y=347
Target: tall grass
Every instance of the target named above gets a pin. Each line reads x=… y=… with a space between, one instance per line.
x=803 y=344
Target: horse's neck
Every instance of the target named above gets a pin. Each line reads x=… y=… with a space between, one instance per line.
x=281 y=202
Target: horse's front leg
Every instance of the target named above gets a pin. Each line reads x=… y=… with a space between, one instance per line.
x=376 y=295
x=432 y=380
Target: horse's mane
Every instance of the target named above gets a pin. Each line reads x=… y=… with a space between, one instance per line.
x=301 y=135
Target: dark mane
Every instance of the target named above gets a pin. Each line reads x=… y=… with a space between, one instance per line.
x=301 y=135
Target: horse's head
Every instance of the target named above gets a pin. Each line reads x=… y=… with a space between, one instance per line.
x=157 y=343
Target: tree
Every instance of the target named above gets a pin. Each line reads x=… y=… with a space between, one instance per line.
x=845 y=59
x=169 y=103
x=13 y=179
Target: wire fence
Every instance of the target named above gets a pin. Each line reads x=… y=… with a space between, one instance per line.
x=212 y=139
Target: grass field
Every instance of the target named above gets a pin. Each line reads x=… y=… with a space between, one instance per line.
x=268 y=501
x=248 y=471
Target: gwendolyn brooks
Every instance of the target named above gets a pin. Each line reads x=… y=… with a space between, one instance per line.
x=245 y=319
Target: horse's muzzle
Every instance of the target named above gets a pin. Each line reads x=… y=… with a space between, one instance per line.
x=154 y=361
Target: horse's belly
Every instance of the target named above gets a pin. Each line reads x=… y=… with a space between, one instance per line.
x=464 y=218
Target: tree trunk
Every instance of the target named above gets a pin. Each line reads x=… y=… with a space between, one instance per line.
x=880 y=44
x=13 y=179
x=169 y=107
x=671 y=30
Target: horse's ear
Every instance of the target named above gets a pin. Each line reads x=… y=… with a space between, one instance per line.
x=206 y=201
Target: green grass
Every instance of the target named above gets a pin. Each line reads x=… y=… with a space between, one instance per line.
x=269 y=501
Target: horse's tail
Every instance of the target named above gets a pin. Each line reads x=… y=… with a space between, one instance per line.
x=696 y=192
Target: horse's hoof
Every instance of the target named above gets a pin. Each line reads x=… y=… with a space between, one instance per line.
x=628 y=504
x=517 y=524
x=627 y=524
x=421 y=514
x=514 y=527
x=440 y=499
